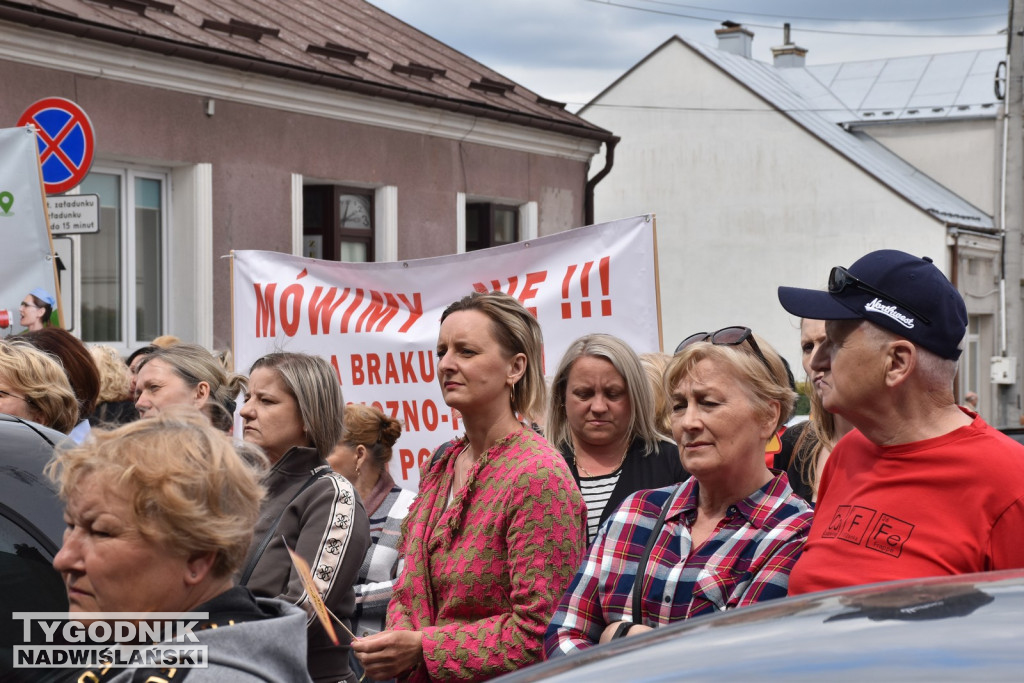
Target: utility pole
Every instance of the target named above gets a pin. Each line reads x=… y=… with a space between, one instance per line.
x=1008 y=398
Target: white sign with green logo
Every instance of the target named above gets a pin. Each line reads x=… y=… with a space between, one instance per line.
x=26 y=256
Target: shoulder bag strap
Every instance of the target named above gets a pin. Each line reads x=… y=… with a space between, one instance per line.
x=641 y=567
x=440 y=449
x=251 y=565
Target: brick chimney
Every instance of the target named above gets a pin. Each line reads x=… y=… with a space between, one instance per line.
x=732 y=37
x=788 y=54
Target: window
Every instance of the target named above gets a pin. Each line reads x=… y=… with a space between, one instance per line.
x=122 y=264
x=490 y=225
x=337 y=223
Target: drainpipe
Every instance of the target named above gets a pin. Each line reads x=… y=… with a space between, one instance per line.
x=588 y=197
x=954 y=277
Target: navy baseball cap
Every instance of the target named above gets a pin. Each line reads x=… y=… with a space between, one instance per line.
x=905 y=294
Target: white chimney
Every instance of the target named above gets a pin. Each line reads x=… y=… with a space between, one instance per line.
x=735 y=39
x=788 y=55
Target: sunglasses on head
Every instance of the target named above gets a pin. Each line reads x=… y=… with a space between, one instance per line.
x=727 y=336
x=841 y=279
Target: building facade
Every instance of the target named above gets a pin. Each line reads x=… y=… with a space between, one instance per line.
x=763 y=175
x=328 y=129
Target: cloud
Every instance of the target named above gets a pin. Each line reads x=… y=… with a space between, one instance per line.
x=570 y=50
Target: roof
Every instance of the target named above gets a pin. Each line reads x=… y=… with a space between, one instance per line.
x=952 y=85
x=344 y=44
x=815 y=109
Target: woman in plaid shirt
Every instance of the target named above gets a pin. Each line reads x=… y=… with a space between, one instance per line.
x=731 y=533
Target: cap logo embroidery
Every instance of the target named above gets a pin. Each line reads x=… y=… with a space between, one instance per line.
x=889 y=311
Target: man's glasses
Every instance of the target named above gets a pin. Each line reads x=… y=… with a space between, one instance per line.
x=727 y=336
x=841 y=279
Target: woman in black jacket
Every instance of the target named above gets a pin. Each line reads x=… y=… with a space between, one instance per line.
x=602 y=419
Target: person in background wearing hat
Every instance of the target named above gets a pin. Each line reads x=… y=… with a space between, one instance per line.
x=921 y=487
x=36 y=309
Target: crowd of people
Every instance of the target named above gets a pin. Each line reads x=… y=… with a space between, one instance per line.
x=646 y=498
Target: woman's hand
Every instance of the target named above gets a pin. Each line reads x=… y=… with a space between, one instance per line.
x=389 y=653
x=634 y=630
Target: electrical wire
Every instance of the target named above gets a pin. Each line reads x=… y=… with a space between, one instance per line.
x=775 y=110
x=835 y=19
x=801 y=29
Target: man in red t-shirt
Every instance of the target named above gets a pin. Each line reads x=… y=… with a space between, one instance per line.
x=922 y=487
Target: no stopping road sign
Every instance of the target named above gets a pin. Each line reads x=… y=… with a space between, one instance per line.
x=66 y=142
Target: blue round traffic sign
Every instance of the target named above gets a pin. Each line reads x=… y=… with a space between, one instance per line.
x=66 y=142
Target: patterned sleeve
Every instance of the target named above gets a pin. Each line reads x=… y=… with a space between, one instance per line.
x=546 y=528
x=397 y=611
x=334 y=534
x=579 y=618
x=772 y=580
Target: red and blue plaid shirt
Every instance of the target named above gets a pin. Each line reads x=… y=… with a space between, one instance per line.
x=746 y=560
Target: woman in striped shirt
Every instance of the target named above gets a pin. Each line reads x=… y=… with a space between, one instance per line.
x=602 y=420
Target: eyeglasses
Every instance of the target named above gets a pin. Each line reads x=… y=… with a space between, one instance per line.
x=26 y=304
x=841 y=279
x=727 y=336
x=7 y=394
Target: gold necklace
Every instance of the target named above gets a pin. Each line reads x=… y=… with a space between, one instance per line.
x=456 y=483
x=583 y=470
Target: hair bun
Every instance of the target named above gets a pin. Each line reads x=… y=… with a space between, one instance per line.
x=390 y=430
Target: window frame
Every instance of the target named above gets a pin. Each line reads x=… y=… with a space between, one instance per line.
x=492 y=207
x=331 y=239
x=127 y=174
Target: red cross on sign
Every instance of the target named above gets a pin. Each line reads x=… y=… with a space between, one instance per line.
x=66 y=142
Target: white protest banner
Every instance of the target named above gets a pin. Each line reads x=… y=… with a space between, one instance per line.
x=26 y=259
x=377 y=323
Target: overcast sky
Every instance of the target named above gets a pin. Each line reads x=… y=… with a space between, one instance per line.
x=570 y=50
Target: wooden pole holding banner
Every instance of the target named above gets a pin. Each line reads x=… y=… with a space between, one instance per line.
x=49 y=237
x=657 y=282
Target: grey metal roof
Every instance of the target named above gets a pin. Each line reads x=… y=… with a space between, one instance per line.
x=344 y=44
x=952 y=85
x=818 y=114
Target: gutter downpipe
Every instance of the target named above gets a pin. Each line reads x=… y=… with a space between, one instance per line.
x=1002 y=227
x=954 y=278
x=588 y=195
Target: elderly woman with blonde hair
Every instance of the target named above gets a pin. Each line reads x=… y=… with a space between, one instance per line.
x=33 y=386
x=159 y=514
x=725 y=538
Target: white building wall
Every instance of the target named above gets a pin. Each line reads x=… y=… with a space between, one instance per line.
x=960 y=155
x=745 y=199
